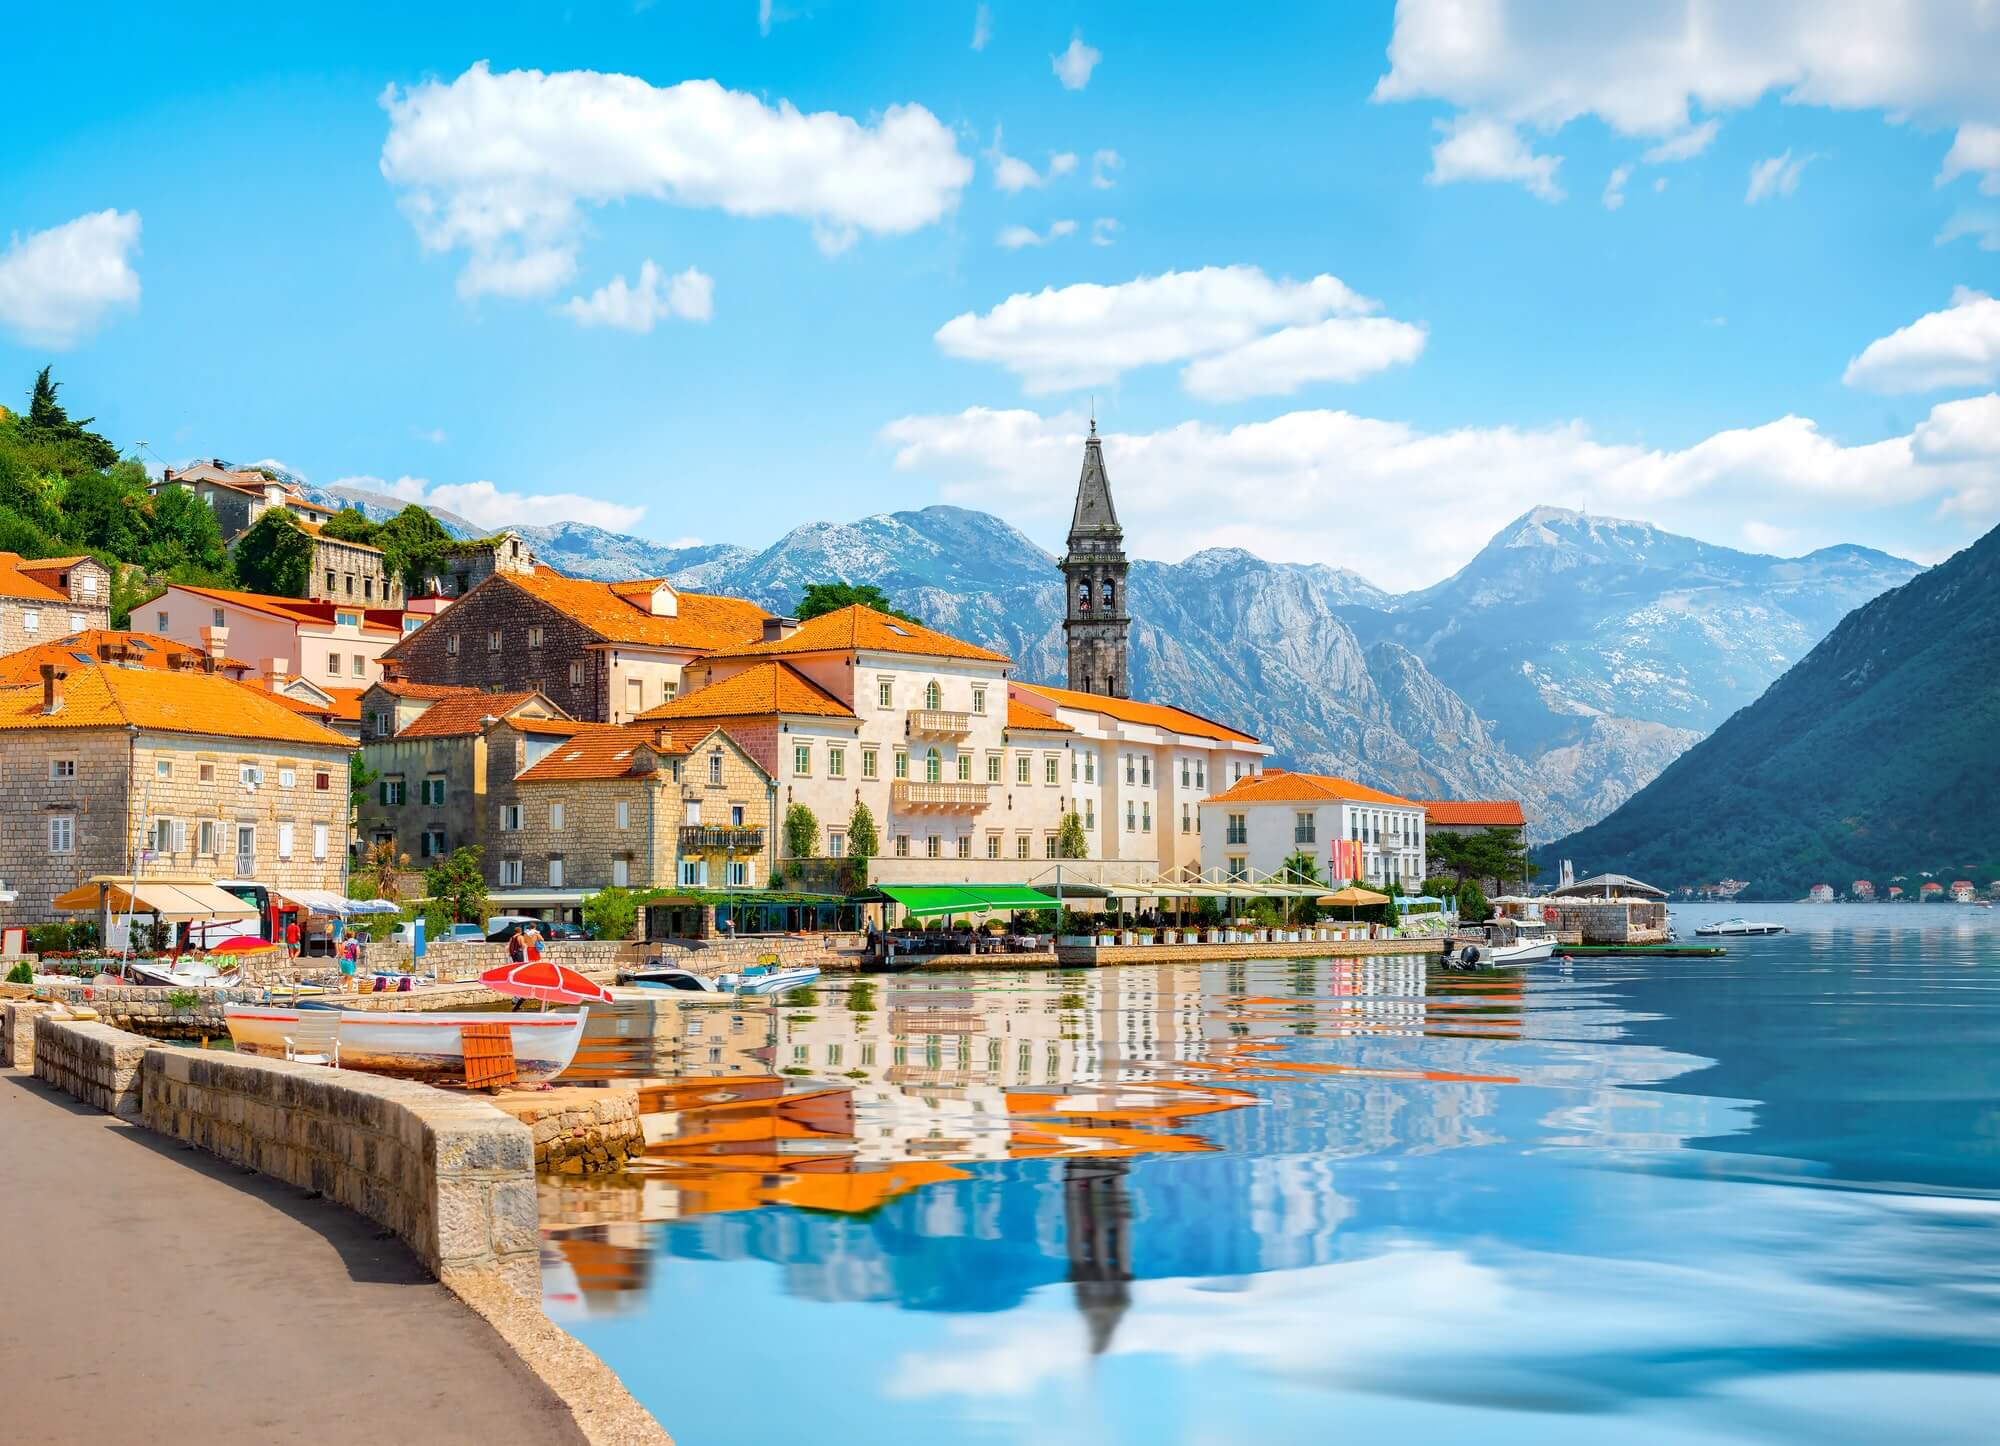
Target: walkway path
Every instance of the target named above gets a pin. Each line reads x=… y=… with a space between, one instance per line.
x=149 y=1292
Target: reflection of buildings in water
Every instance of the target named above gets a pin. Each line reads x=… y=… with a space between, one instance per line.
x=1097 y=1218
x=596 y=1271
x=655 y=1034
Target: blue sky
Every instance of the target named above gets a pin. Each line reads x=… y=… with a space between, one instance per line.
x=324 y=237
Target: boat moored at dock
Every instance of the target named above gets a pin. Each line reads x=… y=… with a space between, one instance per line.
x=1738 y=928
x=429 y=1047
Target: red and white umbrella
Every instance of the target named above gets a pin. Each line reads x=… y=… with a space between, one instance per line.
x=546 y=980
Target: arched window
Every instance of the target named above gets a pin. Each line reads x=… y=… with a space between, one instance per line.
x=1083 y=597
x=1110 y=594
x=933 y=766
x=933 y=695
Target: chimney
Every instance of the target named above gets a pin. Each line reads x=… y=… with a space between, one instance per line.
x=213 y=641
x=777 y=629
x=277 y=669
x=108 y=651
x=52 y=688
x=179 y=662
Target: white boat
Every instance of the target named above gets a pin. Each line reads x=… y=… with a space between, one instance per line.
x=412 y=1046
x=757 y=979
x=1733 y=928
x=182 y=974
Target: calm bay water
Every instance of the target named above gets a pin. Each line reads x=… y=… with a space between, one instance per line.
x=1749 y=1198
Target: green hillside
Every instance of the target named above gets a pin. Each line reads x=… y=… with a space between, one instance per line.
x=1877 y=754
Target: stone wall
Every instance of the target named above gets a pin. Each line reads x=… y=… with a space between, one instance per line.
x=97 y=1064
x=17 y=1033
x=449 y=1174
x=453 y=648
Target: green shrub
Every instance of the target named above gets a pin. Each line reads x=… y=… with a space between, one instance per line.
x=21 y=973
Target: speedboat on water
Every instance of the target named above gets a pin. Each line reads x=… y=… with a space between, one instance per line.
x=182 y=974
x=757 y=979
x=428 y=1047
x=1734 y=928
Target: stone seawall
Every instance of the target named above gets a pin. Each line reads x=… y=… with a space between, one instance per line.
x=452 y=1176
x=469 y=958
x=97 y=1064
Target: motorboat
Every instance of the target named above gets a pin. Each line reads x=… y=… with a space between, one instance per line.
x=757 y=979
x=429 y=1047
x=182 y=974
x=1736 y=928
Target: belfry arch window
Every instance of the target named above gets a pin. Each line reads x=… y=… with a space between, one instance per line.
x=933 y=765
x=1110 y=595
x=933 y=695
x=1083 y=597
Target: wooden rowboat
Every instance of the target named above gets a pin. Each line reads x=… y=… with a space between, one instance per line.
x=429 y=1047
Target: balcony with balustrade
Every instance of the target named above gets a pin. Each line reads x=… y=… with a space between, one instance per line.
x=939 y=723
x=704 y=838
x=909 y=793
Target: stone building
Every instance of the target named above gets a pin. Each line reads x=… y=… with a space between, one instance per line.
x=47 y=597
x=108 y=769
x=444 y=777
x=642 y=807
x=348 y=572
x=240 y=495
x=603 y=652
x=1095 y=625
x=465 y=565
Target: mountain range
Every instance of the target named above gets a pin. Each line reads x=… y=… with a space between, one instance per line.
x=1565 y=665
x=1872 y=757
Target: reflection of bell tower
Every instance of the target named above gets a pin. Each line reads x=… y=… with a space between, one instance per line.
x=1094 y=621
x=1097 y=1209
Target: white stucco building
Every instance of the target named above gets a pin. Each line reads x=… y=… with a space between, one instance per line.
x=1351 y=832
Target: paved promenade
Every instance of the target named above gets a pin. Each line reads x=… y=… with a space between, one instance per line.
x=152 y=1293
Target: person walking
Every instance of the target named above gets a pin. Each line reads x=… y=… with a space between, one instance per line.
x=531 y=939
x=350 y=960
x=292 y=939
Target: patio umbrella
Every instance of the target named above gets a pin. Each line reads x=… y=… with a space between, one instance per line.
x=1352 y=896
x=546 y=980
x=242 y=944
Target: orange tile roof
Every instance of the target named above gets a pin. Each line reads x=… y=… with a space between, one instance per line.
x=1474 y=813
x=15 y=583
x=299 y=609
x=863 y=629
x=764 y=688
x=618 y=612
x=1023 y=719
x=562 y=727
x=403 y=688
x=79 y=650
x=1126 y=710
x=461 y=713
x=1279 y=786
x=165 y=702
x=597 y=752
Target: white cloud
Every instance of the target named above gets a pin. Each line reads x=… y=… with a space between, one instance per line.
x=1774 y=176
x=1975 y=150
x=1104 y=231
x=489 y=506
x=1766 y=536
x=1015 y=237
x=1956 y=347
x=982 y=27
x=1683 y=147
x=689 y=296
x=1074 y=65
x=763 y=17
x=1102 y=164
x=1331 y=486
x=1984 y=228
x=434 y=435
x=56 y=285
x=1643 y=70
x=1012 y=174
x=1072 y=336
x=1614 y=188
x=1479 y=148
x=501 y=166
x=1339 y=349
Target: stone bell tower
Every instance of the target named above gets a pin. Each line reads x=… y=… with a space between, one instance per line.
x=1095 y=625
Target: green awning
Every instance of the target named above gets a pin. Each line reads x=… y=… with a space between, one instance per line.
x=1010 y=896
x=925 y=901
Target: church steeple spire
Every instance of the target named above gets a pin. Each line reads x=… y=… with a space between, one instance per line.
x=1095 y=625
